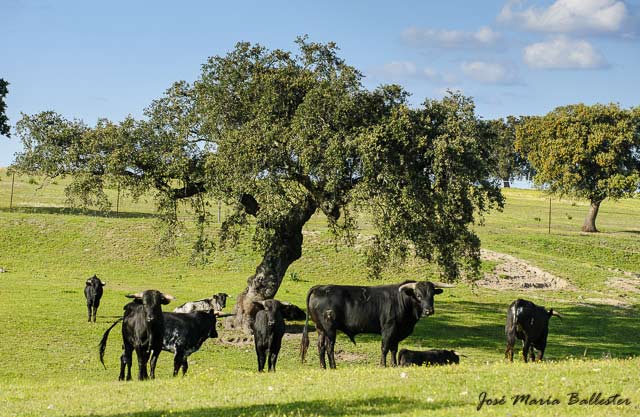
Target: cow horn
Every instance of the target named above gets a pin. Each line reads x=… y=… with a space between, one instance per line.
x=219 y=314
x=442 y=285
x=136 y=295
x=169 y=297
x=410 y=285
x=103 y=283
x=88 y=282
x=555 y=313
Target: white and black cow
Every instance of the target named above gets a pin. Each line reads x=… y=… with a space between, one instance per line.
x=217 y=302
x=529 y=323
x=93 y=293
x=184 y=333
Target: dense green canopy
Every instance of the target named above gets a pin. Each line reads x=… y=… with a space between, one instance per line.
x=279 y=137
x=590 y=152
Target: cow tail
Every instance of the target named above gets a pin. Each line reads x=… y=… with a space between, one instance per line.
x=103 y=342
x=304 y=344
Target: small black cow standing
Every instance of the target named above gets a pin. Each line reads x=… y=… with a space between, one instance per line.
x=93 y=294
x=268 y=328
x=427 y=357
x=184 y=333
x=529 y=323
x=142 y=331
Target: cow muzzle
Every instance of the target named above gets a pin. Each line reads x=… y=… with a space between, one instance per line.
x=427 y=312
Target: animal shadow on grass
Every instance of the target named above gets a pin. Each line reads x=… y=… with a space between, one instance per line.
x=68 y=210
x=369 y=407
x=602 y=330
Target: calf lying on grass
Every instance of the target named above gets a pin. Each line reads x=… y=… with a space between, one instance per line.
x=216 y=303
x=268 y=328
x=427 y=357
x=184 y=333
x=529 y=323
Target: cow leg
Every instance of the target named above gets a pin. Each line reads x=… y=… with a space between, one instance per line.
x=141 y=353
x=185 y=366
x=273 y=356
x=394 y=354
x=526 y=345
x=89 y=311
x=330 y=343
x=262 y=358
x=155 y=353
x=125 y=362
x=511 y=341
x=178 y=360
x=322 y=348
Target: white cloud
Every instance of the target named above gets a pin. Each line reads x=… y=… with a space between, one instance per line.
x=569 y=16
x=563 y=53
x=489 y=72
x=450 y=39
x=399 y=69
x=402 y=70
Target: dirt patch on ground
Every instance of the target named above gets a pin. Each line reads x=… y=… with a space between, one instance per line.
x=341 y=355
x=513 y=273
x=625 y=284
x=590 y=301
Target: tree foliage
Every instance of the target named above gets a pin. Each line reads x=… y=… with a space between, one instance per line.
x=280 y=136
x=4 y=120
x=590 y=152
x=510 y=164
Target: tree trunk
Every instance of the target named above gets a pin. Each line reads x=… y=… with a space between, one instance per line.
x=589 y=224
x=506 y=184
x=285 y=248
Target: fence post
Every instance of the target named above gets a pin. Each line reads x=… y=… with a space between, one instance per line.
x=549 y=214
x=13 y=179
x=118 y=201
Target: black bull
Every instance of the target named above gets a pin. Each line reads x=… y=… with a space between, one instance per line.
x=391 y=311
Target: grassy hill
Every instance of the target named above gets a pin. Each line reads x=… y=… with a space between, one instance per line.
x=50 y=358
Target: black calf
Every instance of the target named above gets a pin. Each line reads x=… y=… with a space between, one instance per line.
x=268 y=329
x=184 y=333
x=93 y=294
x=529 y=323
x=428 y=357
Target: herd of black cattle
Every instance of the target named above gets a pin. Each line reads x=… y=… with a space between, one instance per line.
x=391 y=311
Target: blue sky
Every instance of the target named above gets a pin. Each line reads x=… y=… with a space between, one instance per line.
x=88 y=59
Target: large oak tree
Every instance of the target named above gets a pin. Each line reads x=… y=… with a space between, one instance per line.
x=590 y=152
x=4 y=121
x=280 y=137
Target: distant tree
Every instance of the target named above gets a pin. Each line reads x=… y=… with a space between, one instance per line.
x=4 y=121
x=590 y=152
x=510 y=164
x=280 y=137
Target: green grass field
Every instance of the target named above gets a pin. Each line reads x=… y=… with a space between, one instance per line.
x=50 y=358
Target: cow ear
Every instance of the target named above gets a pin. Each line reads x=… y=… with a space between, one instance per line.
x=136 y=295
x=259 y=305
x=438 y=291
x=167 y=298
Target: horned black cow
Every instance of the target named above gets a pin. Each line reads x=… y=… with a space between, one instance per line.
x=268 y=328
x=93 y=294
x=427 y=357
x=529 y=323
x=142 y=331
x=184 y=333
x=391 y=311
x=216 y=303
